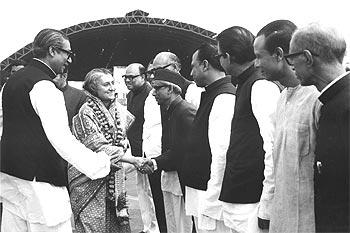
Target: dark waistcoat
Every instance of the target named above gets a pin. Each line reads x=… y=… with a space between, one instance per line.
x=135 y=105
x=26 y=152
x=196 y=166
x=244 y=172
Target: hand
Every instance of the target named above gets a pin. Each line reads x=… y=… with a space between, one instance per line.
x=138 y=162
x=147 y=167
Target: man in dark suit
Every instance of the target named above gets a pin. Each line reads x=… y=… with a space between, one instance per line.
x=177 y=122
x=317 y=54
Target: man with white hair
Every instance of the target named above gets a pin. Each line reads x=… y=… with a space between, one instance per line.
x=317 y=53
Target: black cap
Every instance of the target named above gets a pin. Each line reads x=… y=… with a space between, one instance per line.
x=170 y=76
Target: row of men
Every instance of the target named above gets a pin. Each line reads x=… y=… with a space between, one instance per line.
x=244 y=153
x=229 y=162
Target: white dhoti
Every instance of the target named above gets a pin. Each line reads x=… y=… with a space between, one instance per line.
x=174 y=204
x=148 y=213
x=176 y=219
x=242 y=218
x=12 y=223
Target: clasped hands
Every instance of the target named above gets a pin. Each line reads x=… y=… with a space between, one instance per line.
x=144 y=165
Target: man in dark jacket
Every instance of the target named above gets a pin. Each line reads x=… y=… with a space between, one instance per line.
x=247 y=187
x=205 y=161
x=177 y=122
x=317 y=54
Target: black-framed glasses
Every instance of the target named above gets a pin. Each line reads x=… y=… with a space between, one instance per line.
x=289 y=57
x=69 y=53
x=130 y=77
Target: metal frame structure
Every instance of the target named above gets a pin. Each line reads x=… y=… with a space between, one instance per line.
x=131 y=19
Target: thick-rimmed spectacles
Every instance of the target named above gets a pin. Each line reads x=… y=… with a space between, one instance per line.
x=69 y=53
x=289 y=57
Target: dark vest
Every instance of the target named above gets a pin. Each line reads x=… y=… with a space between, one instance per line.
x=135 y=105
x=26 y=152
x=244 y=172
x=196 y=167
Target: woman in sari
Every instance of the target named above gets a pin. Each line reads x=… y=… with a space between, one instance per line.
x=100 y=205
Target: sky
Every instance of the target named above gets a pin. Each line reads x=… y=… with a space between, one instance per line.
x=21 y=20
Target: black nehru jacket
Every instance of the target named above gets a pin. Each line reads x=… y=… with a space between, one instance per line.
x=26 y=152
x=196 y=165
x=135 y=105
x=244 y=171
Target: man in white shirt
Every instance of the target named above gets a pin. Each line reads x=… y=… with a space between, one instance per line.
x=35 y=140
x=204 y=163
x=317 y=53
x=295 y=123
x=247 y=186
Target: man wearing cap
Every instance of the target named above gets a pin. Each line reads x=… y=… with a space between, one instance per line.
x=177 y=122
x=152 y=128
x=204 y=163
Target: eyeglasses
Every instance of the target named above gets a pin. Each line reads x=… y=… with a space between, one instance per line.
x=130 y=77
x=289 y=57
x=69 y=53
x=157 y=88
x=217 y=56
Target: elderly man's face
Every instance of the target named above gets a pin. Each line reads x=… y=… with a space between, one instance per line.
x=300 y=67
x=161 y=92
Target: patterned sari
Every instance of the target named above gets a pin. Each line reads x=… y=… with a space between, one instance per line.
x=100 y=205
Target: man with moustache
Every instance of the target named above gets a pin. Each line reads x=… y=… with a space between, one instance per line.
x=317 y=53
x=295 y=123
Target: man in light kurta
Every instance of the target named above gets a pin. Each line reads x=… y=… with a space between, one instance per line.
x=295 y=122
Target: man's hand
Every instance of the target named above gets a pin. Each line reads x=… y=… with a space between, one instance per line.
x=147 y=167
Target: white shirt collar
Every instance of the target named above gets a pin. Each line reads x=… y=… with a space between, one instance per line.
x=37 y=59
x=334 y=81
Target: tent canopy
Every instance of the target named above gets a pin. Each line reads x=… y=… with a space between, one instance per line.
x=124 y=40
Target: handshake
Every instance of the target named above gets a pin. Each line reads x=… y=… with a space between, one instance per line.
x=144 y=165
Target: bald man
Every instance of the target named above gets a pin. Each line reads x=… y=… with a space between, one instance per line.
x=139 y=90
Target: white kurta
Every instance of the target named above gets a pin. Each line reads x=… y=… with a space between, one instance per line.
x=295 y=139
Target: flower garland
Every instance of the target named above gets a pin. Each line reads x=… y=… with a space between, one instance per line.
x=114 y=178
